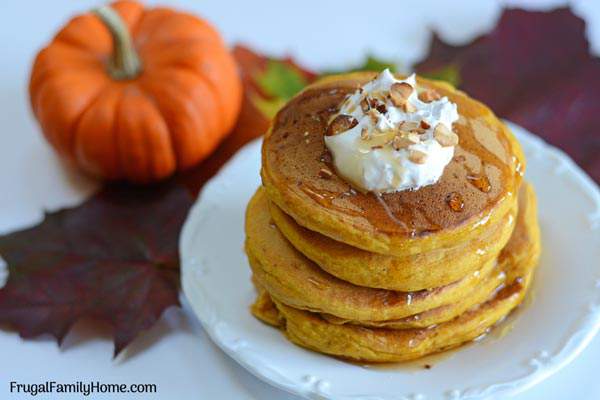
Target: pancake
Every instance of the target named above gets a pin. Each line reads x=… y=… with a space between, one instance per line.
x=484 y=175
x=263 y=307
x=482 y=292
x=410 y=273
x=293 y=279
x=365 y=344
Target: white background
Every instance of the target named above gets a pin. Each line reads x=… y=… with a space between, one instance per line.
x=176 y=354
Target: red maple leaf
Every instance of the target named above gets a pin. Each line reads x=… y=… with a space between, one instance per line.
x=534 y=69
x=114 y=258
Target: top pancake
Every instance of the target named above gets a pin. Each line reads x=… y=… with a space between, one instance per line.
x=397 y=223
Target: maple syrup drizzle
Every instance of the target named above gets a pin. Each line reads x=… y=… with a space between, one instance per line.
x=481 y=182
x=455 y=201
x=482 y=148
x=390 y=214
x=328 y=198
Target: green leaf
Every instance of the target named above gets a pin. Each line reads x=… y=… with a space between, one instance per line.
x=280 y=80
x=449 y=73
x=268 y=107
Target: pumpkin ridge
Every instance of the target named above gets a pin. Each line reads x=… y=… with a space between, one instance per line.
x=153 y=166
x=151 y=15
x=227 y=117
x=77 y=23
x=214 y=90
x=77 y=121
x=39 y=92
x=150 y=96
x=115 y=130
x=208 y=142
x=41 y=72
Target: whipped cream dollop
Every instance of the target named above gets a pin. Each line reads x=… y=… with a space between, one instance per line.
x=388 y=136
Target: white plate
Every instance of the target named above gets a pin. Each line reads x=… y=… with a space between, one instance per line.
x=557 y=322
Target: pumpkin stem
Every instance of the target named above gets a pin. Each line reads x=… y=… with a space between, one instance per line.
x=125 y=63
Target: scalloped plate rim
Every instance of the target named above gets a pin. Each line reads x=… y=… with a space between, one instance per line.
x=313 y=389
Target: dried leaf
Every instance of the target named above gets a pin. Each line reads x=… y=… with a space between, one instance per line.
x=113 y=259
x=534 y=69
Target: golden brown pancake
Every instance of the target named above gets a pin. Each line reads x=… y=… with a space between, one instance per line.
x=484 y=174
x=410 y=273
x=293 y=279
x=369 y=344
x=437 y=315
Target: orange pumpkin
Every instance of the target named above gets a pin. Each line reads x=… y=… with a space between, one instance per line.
x=132 y=93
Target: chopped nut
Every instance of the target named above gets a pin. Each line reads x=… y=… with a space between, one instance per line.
x=325 y=173
x=444 y=136
x=399 y=143
x=374 y=115
x=409 y=125
x=340 y=124
x=413 y=137
x=425 y=125
x=405 y=139
x=417 y=156
x=364 y=105
x=376 y=104
x=306 y=133
x=409 y=108
x=429 y=95
x=399 y=93
x=364 y=133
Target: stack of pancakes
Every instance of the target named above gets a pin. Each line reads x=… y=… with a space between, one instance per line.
x=396 y=276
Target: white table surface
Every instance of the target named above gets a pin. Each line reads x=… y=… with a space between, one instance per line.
x=176 y=354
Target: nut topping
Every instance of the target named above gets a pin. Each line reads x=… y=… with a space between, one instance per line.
x=409 y=108
x=373 y=102
x=444 y=136
x=417 y=156
x=340 y=124
x=381 y=108
x=404 y=140
x=429 y=95
x=364 y=133
x=364 y=105
x=413 y=137
x=399 y=93
x=374 y=115
x=409 y=125
x=393 y=140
